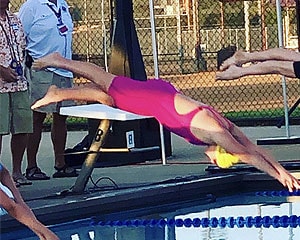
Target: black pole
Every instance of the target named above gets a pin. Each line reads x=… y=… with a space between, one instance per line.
x=298 y=21
x=295 y=105
x=126 y=57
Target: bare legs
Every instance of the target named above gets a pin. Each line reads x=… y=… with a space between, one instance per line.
x=35 y=139
x=18 y=145
x=279 y=54
x=87 y=70
x=58 y=137
x=88 y=92
x=95 y=91
x=237 y=59
x=261 y=68
x=271 y=61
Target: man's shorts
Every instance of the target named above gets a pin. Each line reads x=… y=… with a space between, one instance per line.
x=40 y=81
x=15 y=113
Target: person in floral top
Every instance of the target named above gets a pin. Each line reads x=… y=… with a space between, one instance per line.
x=16 y=116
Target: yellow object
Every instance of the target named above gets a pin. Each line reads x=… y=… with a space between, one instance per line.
x=224 y=159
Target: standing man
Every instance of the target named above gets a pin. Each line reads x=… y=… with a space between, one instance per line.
x=15 y=112
x=48 y=28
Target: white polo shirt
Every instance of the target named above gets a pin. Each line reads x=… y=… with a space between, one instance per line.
x=43 y=35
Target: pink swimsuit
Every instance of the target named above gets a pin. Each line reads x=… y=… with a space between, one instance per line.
x=155 y=97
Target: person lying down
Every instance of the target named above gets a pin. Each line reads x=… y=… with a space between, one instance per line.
x=195 y=121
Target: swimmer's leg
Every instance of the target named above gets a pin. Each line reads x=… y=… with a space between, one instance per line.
x=237 y=59
x=276 y=54
x=285 y=68
x=87 y=92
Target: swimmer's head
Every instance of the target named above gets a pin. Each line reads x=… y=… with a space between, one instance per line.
x=224 y=159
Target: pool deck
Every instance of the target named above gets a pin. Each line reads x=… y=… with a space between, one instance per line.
x=139 y=185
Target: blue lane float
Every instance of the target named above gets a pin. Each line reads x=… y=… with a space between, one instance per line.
x=281 y=193
x=284 y=221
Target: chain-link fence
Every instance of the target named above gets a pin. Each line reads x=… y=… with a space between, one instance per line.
x=192 y=38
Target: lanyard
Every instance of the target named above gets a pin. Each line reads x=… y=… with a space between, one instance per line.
x=9 y=40
x=62 y=28
x=57 y=14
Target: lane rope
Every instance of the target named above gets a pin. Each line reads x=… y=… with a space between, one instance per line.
x=276 y=221
x=284 y=221
x=281 y=193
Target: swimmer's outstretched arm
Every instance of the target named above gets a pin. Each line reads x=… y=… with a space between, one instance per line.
x=237 y=144
x=206 y=127
x=265 y=162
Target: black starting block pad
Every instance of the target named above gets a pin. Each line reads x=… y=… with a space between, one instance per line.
x=279 y=140
x=288 y=165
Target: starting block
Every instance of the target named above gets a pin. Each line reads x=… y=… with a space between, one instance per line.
x=106 y=114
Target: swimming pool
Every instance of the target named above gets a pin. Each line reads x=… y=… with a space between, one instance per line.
x=264 y=215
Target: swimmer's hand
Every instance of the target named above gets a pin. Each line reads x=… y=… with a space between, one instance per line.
x=8 y=74
x=289 y=181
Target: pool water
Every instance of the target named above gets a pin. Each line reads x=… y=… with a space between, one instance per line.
x=251 y=216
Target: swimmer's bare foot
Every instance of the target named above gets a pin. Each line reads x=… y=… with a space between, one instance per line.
x=51 y=96
x=237 y=59
x=46 y=61
x=232 y=72
x=210 y=152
